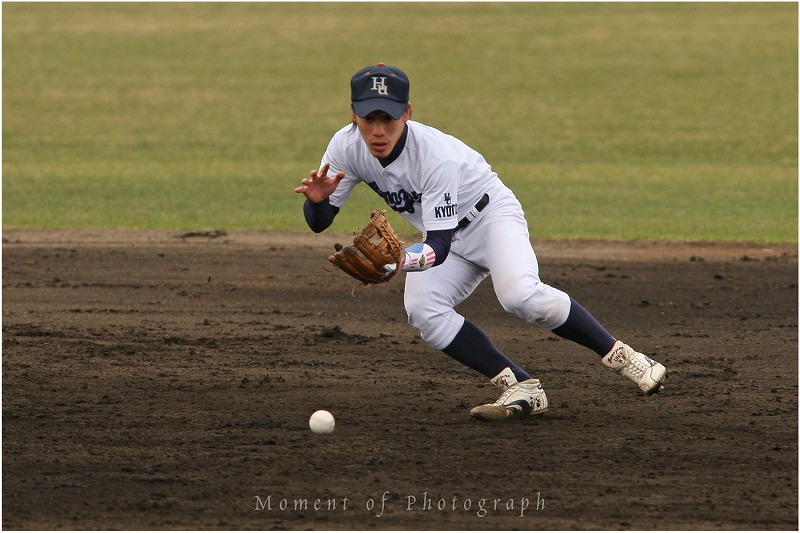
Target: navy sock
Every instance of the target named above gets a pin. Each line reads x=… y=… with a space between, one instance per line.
x=581 y=327
x=472 y=347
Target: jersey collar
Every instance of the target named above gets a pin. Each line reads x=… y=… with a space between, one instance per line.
x=396 y=151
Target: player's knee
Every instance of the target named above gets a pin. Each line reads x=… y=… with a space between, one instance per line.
x=416 y=309
x=436 y=329
x=423 y=321
x=543 y=305
x=421 y=307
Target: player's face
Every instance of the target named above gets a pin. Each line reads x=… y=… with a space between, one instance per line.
x=380 y=131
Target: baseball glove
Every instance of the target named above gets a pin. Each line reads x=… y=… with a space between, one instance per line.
x=377 y=246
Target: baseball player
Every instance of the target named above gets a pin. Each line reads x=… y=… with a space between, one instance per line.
x=472 y=226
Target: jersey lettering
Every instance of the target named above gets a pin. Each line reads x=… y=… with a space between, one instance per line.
x=445 y=211
x=401 y=201
x=448 y=210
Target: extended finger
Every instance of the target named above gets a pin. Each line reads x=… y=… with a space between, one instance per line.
x=319 y=174
x=323 y=172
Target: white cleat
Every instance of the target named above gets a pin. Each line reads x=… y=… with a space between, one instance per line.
x=646 y=373
x=517 y=401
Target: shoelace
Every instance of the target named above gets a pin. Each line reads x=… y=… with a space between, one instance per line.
x=635 y=367
x=503 y=397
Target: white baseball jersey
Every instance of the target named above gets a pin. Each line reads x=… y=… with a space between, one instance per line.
x=434 y=176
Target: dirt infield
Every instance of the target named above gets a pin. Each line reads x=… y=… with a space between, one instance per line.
x=153 y=380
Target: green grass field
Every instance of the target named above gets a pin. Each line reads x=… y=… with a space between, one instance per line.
x=626 y=120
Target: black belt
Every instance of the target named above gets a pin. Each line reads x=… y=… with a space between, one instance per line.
x=464 y=222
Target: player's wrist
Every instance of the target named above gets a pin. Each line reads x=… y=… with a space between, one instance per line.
x=417 y=258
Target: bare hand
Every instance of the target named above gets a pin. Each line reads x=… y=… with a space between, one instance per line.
x=318 y=186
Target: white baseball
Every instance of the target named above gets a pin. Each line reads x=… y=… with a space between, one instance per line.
x=321 y=422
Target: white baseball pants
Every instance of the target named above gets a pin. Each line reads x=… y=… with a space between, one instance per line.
x=497 y=242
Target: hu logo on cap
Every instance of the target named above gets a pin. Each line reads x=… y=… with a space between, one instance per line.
x=379 y=84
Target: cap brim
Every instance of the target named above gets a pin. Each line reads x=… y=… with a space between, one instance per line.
x=365 y=107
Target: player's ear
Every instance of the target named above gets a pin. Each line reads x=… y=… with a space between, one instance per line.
x=408 y=111
x=353 y=114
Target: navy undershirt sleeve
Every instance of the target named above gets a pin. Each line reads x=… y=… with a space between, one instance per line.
x=440 y=241
x=319 y=216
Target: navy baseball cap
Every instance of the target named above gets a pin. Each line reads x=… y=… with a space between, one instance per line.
x=380 y=87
